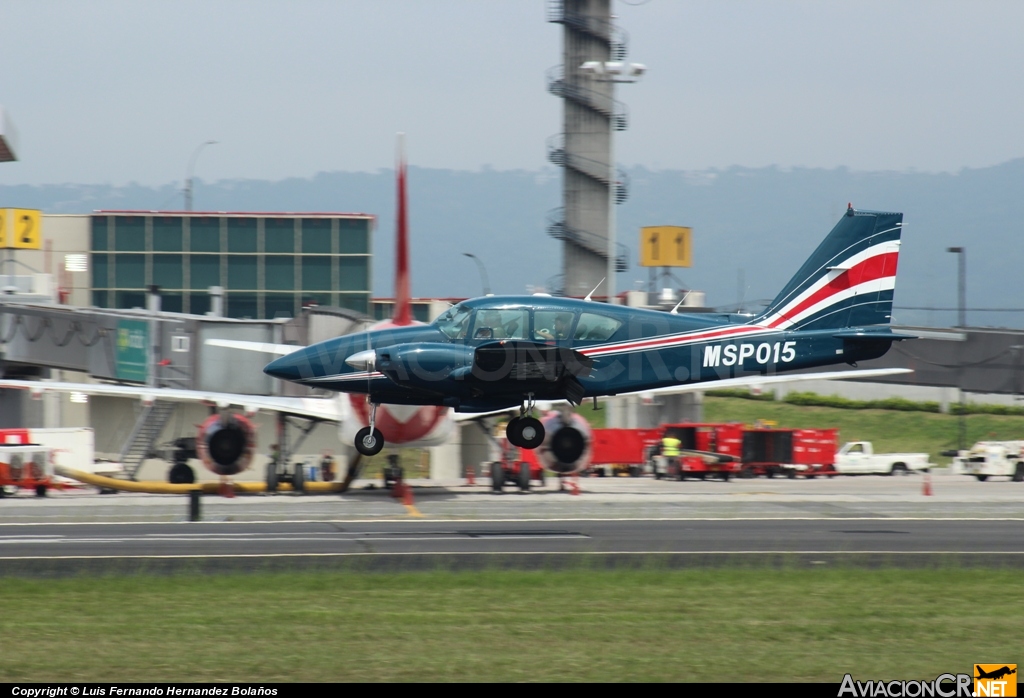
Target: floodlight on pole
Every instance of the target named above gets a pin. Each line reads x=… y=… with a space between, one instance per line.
x=614 y=71
x=191 y=167
x=961 y=287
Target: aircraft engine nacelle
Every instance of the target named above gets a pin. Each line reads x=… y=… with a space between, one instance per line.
x=567 y=443
x=226 y=443
x=425 y=365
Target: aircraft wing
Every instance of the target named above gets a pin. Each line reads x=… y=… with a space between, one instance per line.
x=310 y=408
x=263 y=347
x=751 y=381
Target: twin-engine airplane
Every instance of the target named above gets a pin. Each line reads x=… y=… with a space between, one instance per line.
x=498 y=353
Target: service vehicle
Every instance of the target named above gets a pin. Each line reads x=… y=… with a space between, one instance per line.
x=25 y=466
x=706 y=450
x=987 y=459
x=859 y=458
x=621 y=451
x=770 y=451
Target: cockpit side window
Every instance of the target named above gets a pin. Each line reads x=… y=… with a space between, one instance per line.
x=593 y=327
x=455 y=322
x=552 y=324
x=501 y=324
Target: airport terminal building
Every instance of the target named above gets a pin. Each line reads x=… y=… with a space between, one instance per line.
x=268 y=264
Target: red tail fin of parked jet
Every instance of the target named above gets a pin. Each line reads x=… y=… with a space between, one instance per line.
x=403 y=300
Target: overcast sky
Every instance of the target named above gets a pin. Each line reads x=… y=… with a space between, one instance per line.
x=115 y=91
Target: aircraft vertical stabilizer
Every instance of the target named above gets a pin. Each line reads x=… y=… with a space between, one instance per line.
x=849 y=280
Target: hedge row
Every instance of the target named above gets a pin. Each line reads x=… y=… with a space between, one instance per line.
x=891 y=403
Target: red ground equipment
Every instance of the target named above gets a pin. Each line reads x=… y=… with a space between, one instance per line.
x=706 y=449
x=518 y=466
x=790 y=452
x=621 y=451
x=24 y=465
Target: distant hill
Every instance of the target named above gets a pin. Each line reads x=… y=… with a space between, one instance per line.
x=761 y=221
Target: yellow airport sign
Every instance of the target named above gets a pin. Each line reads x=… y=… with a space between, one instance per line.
x=21 y=228
x=666 y=246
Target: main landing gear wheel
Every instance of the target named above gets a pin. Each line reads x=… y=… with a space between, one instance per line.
x=369 y=441
x=513 y=430
x=530 y=432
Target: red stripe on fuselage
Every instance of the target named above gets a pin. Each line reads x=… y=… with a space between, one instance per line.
x=661 y=342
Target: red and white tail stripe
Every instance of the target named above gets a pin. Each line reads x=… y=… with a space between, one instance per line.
x=868 y=272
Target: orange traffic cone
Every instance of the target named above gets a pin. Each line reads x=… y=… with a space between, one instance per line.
x=227 y=490
x=574 y=487
x=471 y=475
x=408 y=502
x=927 y=488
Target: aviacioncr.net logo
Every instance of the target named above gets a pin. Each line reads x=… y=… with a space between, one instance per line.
x=995 y=680
x=943 y=686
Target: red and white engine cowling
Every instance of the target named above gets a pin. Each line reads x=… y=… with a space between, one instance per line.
x=567 y=443
x=226 y=443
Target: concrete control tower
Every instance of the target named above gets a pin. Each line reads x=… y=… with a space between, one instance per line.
x=586 y=221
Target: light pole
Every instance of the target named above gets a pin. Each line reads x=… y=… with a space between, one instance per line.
x=188 y=176
x=961 y=284
x=483 y=272
x=612 y=71
x=961 y=288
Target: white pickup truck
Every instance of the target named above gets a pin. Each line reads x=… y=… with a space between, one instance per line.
x=988 y=458
x=859 y=458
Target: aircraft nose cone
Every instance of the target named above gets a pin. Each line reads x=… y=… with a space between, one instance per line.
x=289 y=368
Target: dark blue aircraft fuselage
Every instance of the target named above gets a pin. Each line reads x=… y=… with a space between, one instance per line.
x=631 y=350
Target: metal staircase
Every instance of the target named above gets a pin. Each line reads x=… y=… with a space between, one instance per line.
x=592 y=185
x=609 y=107
x=148 y=426
x=558 y=229
x=616 y=38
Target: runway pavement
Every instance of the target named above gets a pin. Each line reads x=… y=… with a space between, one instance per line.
x=863 y=520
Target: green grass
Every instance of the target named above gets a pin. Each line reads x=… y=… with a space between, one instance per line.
x=888 y=430
x=748 y=624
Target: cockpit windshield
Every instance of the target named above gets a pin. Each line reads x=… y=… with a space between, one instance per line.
x=454 y=322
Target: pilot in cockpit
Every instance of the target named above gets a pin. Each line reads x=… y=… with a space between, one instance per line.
x=490 y=326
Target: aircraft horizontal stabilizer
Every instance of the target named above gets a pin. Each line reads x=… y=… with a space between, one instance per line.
x=262 y=347
x=321 y=409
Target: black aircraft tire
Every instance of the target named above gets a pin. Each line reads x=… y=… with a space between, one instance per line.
x=1018 y=474
x=497 y=476
x=524 y=477
x=514 y=430
x=531 y=433
x=181 y=474
x=271 y=477
x=40 y=490
x=369 y=443
x=299 y=479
